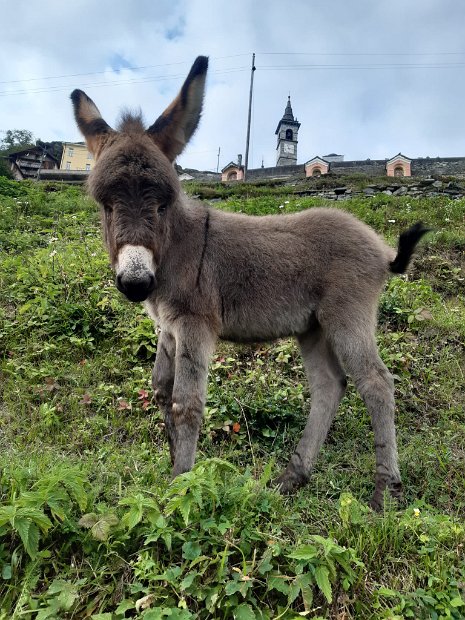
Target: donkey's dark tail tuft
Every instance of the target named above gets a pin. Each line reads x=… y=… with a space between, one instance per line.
x=407 y=242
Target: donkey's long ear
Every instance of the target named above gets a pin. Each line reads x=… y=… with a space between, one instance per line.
x=174 y=128
x=90 y=122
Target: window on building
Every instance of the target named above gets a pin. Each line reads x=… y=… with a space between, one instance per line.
x=316 y=172
x=399 y=171
x=87 y=166
x=70 y=151
x=68 y=165
x=289 y=134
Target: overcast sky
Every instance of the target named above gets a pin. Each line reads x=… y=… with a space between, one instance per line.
x=367 y=78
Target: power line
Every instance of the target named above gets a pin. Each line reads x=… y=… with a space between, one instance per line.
x=376 y=64
x=271 y=67
x=68 y=75
x=366 y=66
x=361 y=54
x=147 y=79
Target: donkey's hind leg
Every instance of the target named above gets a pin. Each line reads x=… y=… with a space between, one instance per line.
x=358 y=352
x=327 y=384
x=162 y=381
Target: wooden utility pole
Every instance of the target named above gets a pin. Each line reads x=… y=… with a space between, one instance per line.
x=246 y=164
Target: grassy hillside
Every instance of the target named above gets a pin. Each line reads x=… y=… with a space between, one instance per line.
x=90 y=526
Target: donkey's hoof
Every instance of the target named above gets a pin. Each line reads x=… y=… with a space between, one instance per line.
x=377 y=503
x=396 y=492
x=289 y=481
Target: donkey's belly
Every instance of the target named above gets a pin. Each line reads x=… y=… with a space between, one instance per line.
x=257 y=327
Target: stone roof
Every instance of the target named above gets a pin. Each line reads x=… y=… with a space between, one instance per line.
x=288 y=116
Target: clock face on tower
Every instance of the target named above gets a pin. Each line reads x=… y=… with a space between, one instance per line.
x=288 y=148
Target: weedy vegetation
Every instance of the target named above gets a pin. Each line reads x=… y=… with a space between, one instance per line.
x=91 y=527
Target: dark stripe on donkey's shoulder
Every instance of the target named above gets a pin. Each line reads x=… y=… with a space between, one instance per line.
x=205 y=239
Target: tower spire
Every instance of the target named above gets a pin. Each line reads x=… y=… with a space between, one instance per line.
x=287 y=132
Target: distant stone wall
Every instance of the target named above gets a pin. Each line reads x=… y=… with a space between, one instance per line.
x=369 y=167
x=422 y=167
x=275 y=172
x=439 y=166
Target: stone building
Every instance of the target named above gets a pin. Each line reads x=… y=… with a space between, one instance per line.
x=287 y=132
x=76 y=156
x=31 y=162
x=233 y=171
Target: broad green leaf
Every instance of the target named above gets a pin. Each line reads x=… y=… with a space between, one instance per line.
x=7 y=514
x=6 y=571
x=304 y=582
x=232 y=587
x=304 y=552
x=134 y=516
x=387 y=592
x=279 y=583
x=37 y=516
x=101 y=530
x=184 y=506
x=191 y=550
x=124 y=606
x=68 y=595
x=322 y=580
x=88 y=520
x=75 y=485
x=456 y=602
x=188 y=580
x=29 y=533
x=244 y=612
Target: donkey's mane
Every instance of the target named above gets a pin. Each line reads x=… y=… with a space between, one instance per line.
x=131 y=122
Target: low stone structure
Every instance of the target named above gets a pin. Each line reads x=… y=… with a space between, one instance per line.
x=399 y=165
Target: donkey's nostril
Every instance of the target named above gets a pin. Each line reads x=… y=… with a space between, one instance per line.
x=136 y=288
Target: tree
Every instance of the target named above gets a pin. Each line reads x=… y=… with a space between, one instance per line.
x=55 y=148
x=16 y=139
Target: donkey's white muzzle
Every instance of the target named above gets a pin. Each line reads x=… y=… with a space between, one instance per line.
x=135 y=272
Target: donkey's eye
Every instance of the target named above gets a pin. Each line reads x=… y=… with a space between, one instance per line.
x=162 y=209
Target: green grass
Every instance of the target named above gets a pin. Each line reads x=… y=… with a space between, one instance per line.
x=90 y=526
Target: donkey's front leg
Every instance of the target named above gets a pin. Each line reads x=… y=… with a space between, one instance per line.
x=195 y=342
x=163 y=381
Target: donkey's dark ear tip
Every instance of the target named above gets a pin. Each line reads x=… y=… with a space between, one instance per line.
x=76 y=95
x=200 y=65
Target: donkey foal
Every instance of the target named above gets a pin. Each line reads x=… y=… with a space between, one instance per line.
x=205 y=274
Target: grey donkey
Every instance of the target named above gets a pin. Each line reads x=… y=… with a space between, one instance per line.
x=204 y=274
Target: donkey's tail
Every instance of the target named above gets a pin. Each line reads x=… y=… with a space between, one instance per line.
x=407 y=242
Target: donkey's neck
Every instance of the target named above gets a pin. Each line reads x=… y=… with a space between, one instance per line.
x=187 y=237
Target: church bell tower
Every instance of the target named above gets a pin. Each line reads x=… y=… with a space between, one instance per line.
x=287 y=132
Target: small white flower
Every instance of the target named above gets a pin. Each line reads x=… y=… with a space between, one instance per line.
x=281 y=207
x=52 y=253
x=52 y=239
x=392 y=221
x=94 y=254
x=416 y=512
x=286 y=202
x=446 y=219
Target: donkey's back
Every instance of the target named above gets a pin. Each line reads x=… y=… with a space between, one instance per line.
x=271 y=275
